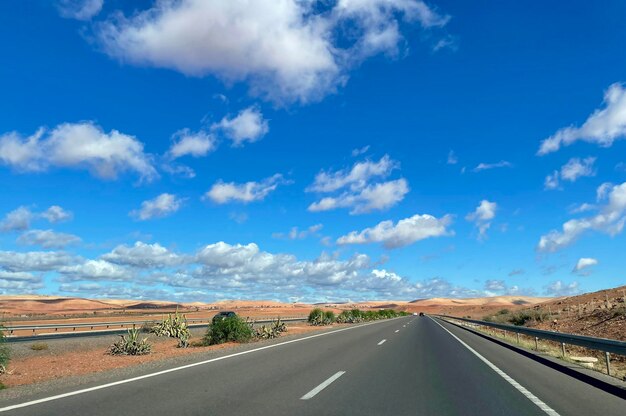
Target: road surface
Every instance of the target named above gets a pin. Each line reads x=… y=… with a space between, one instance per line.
x=407 y=366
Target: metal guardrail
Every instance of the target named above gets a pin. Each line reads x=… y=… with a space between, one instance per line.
x=601 y=344
x=111 y=328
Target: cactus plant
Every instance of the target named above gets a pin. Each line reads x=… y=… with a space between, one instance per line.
x=130 y=344
x=4 y=352
x=174 y=326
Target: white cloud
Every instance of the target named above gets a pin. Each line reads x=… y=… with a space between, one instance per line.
x=487 y=166
x=143 y=255
x=452 y=158
x=358 y=193
x=96 y=270
x=248 y=126
x=34 y=260
x=287 y=50
x=482 y=216
x=559 y=288
x=552 y=181
x=584 y=263
x=610 y=220
x=356 y=178
x=225 y=192
x=47 y=239
x=159 y=207
x=56 y=214
x=602 y=127
x=360 y=151
x=584 y=207
x=17 y=220
x=79 y=9
x=19 y=282
x=403 y=233
x=188 y=143
x=379 y=196
x=79 y=146
x=576 y=168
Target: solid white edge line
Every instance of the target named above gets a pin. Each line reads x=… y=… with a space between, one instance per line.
x=171 y=370
x=547 y=409
x=322 y=386
x=381 y=342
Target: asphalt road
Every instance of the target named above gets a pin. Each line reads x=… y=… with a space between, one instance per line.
x=419 y=369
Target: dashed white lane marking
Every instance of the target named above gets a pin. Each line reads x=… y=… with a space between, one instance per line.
x=403 y=326
x=159 y=373
x=382 y=342
x=547 y=409
x=322 y=386
x=397 y=330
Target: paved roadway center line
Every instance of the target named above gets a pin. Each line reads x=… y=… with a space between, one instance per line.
x=322 y=386
x=382 y=342
x=158 y=373
x=547 y=409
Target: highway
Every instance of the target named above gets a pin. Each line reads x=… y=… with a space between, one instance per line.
x=406 y=366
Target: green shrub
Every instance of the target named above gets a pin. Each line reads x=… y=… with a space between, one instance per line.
x=316 y=317
x=174 y=326
x=232 y=329
x=39 y=346
x=5 y=352
x=130 y=344
x=329 y=317
x=503 y=312
x=273 y=331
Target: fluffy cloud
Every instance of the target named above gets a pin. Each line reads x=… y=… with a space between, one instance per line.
x=559 y=288
x=19 y=282
x=287 y=50
x=357 y=192
x=96 y=270
x=403 y=233
x=159 y=207
x=47 y=239
x=575 y=168
x=487 y=166
x=56 y=214
x=360 y=151
x=79 y=9
x=188 y=143
x=375 y=197
x=584 y=263
x=37 y=261
x=21 y=218
x=610 y=220
x=225 y=192
x=452 y=158
x=143 y=255
x=248 y=126
x=603 y=126
x=482 y=216
x=17 y=220
x=78 y=146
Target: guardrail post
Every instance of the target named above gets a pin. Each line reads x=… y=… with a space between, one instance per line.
x=537 y=343
x=607 y=357
x=517 y=333
x=563 y=349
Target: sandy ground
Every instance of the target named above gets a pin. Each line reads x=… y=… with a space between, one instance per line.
x=72 y=357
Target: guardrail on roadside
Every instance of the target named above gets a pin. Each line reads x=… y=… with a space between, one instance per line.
x=608 y=346
x=110 y=328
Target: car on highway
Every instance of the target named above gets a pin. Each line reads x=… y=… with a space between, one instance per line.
x=223 y=315
x=421 y=313
x=414 y=313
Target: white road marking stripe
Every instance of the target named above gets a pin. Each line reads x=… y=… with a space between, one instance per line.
x=403 y=326
x=171 y=370
x=382 y=342
x=322 y=386
x=547 y=409
x=397 y=330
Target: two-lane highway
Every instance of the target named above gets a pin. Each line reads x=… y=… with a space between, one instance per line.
x=407 y=366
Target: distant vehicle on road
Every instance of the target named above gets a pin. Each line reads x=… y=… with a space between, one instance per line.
x=223 y=315
x=414 y=313
x=421 y=313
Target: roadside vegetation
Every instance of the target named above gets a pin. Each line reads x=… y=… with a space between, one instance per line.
x=174 y=326
x=131 y=344
x=232 y=329
x=39 y=346
x=526 y=317
x=5 y=352
x=318 y=317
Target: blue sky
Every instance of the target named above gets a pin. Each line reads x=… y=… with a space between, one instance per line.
x=302 y=150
